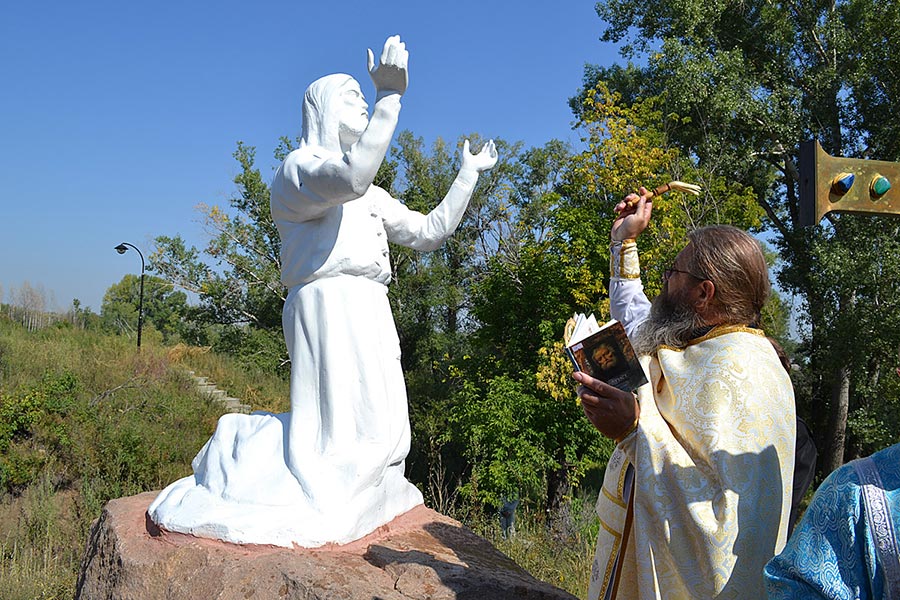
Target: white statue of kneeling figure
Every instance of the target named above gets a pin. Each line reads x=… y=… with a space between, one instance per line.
x=331 y=470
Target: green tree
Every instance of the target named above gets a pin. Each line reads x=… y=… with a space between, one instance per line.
x=523 y=444
x=520 y=440
x=165 y=309
x=554 y=261
x=753 y=80
x=237 y=276
x=430 y=297
x=524 y=293
x=240 y=282
x=468 y=315
x=82 y=317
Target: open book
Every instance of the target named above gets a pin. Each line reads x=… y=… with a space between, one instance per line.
x=604 y=352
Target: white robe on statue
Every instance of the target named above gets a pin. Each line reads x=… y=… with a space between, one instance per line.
x=331 y=470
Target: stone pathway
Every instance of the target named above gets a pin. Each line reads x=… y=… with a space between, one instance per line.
x=205 y=386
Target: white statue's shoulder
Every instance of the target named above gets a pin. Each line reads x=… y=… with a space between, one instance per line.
x=300 y=164
x=307 y=156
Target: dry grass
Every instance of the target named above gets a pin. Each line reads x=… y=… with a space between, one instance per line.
x=29 y=573
x=40 y=552
x=561 y=559
x=84 y=417
x=262 y=391
x=108 y=421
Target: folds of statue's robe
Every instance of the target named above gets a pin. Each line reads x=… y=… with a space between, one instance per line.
x=712 y=462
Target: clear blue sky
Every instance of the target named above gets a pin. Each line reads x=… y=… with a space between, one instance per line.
x=118 y=118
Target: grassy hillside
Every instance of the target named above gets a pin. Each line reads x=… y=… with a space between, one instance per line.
x=85 y=417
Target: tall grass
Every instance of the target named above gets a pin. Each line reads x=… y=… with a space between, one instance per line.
x=85 y=417
x=37 y=551
x=561 y=558
x=29 y=573
x=259 y=389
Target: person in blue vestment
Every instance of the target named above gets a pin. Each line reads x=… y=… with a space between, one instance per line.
x=845 y=546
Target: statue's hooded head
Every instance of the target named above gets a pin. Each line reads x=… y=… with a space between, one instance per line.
x=325 y=111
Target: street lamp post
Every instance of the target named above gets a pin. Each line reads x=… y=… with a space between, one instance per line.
x=121 y=249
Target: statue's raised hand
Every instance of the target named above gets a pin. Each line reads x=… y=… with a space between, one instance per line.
x=390 y=75
x=482 y=161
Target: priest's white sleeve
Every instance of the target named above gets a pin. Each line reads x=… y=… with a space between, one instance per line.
x=627 y=302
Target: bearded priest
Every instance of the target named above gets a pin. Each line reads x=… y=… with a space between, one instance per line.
x=696 y=496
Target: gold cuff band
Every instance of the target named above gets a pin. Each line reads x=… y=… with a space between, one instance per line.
x=629 y=431
x=637 y=416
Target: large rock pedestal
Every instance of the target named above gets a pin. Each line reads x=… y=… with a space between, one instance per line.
x=419 y=555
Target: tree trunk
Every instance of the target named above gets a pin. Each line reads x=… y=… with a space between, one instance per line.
x=559 y=517
x=558 y=487
x=837 y=420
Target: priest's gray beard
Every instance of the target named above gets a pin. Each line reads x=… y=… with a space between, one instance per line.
x=672 y=322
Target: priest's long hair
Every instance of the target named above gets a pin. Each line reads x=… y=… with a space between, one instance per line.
x=733 y=260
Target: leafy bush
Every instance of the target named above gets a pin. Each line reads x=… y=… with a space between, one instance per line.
x=523 y=444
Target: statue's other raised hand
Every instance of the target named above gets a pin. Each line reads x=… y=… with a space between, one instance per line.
x=390 y=75
x=482 y=161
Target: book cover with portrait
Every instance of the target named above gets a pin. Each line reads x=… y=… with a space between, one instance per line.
x=604 y=353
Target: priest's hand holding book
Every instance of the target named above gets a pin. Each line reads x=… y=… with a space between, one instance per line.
x=612 y=411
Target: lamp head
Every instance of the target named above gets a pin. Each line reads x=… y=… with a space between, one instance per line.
x=121 y=248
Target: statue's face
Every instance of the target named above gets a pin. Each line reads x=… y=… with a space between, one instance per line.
x=353 y=112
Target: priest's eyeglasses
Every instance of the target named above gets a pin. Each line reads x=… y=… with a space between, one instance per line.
x=672 y=270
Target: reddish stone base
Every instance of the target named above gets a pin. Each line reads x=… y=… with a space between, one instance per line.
x=419 y=555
